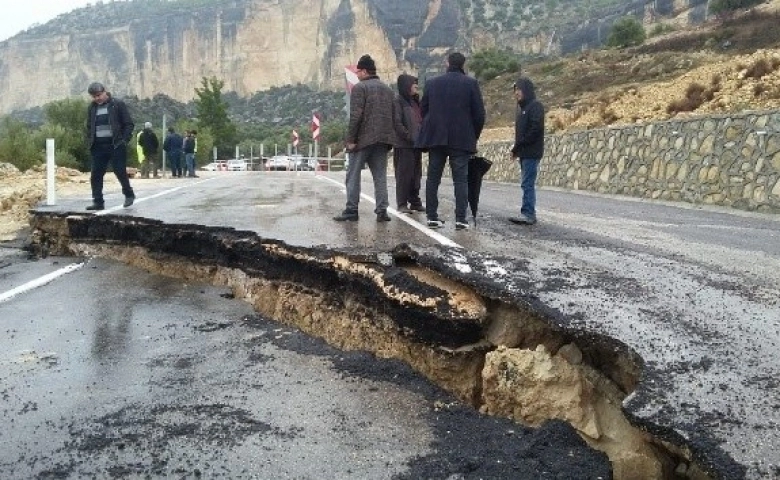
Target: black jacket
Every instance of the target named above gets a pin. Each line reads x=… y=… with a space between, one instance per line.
x=453 y=112
x=406 y=121
x=118 y=116
x=173 y=143
x=529 y=123
x=149 y=142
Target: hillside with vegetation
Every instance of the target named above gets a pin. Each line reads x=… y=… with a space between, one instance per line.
x=729 y=64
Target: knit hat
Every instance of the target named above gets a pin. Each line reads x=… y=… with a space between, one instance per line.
x=366 y=63
x=148 y=125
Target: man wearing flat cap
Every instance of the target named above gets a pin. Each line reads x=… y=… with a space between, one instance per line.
x=370 y=136
x=108 y=131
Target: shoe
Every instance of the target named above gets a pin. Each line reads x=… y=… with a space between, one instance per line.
x=382 y=217
x=417 y=208
x=461 y=226
x=435 y=223
x=128 y=201
x=96 y=206
x=404 y=209
x=346 y=216
x=195 y=176
x=522 y=220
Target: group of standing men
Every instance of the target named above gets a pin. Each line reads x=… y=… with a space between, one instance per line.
x=446 y=123
x=180 y=151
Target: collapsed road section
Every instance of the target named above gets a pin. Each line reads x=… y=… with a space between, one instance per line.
x=468 y=322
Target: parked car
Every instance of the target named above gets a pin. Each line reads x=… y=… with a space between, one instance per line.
x=303 y=163
x=215 y=166
x=279 y=162
x=236 y=165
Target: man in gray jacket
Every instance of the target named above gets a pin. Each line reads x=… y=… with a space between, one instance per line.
x=370 y=136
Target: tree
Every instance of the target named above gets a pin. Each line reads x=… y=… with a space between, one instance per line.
x=212 y=114
x=626 y=32
x=65 y=120
x=488 y=64
x=725 y=7
x=19 y=146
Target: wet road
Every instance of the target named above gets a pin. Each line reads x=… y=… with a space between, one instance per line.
x=696 y=292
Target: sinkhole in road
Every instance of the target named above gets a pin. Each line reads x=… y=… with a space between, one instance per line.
x=451 y=315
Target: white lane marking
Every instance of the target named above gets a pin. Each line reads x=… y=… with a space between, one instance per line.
x=159 y=194
x=414 y=223
x=39 y=282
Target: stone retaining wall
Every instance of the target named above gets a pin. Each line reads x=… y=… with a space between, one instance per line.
x=732 y=161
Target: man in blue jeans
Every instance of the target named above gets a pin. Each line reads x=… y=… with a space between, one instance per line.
x=453 y=117
x=528 y=147
x=109 y=129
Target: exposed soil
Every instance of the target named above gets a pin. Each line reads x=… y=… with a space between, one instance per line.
x=727 y=65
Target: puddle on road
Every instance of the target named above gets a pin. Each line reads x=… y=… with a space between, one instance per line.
x=498 y=351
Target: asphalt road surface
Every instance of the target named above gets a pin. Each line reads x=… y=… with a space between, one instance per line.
x=694 y=291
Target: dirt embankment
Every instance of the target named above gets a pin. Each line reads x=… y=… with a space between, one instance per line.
x=21 y=191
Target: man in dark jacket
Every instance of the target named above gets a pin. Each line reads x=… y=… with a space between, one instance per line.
x=370 y=135
x=109 y=129
x=173 y=150
x=407 y=160
x=150 y=145
x=529 y=146
x=453 y=116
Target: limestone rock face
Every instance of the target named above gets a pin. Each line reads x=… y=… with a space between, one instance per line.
x=250 y=44
x=253 y=45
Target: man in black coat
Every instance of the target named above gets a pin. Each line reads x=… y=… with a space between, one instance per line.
x=528 y=147
x=172 y=146
x=150 y=145
x=109 y=129
x=453 y=117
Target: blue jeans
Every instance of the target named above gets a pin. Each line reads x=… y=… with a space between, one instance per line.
x=529 y=168
x=102 y=154
x=459 y=165
x=375 y=156
x=190 y=159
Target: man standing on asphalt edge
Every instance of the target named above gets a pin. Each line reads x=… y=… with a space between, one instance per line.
x=529 y=146
x=108 y=132
x=370 y=136
x=453 y=117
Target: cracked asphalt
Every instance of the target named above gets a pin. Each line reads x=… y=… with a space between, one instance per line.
x=694 y=291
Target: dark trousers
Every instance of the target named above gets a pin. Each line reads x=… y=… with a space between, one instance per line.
x=407 y=163
x=150 y=163
x=459 y=165
x=175 y=157
x=102 y=155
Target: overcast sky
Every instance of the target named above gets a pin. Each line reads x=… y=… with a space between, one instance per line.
x=18 y=15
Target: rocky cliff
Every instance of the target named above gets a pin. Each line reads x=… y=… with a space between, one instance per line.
x=146 y=47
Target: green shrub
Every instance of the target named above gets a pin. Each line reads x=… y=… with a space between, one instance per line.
x=626 y=32
x=488 y=64
x=728 y=6
x=18 y=145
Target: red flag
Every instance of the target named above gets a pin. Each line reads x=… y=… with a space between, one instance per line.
x=295 y=138
x=315 y=127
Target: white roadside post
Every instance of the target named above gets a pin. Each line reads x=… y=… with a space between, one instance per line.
x=51 y=167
